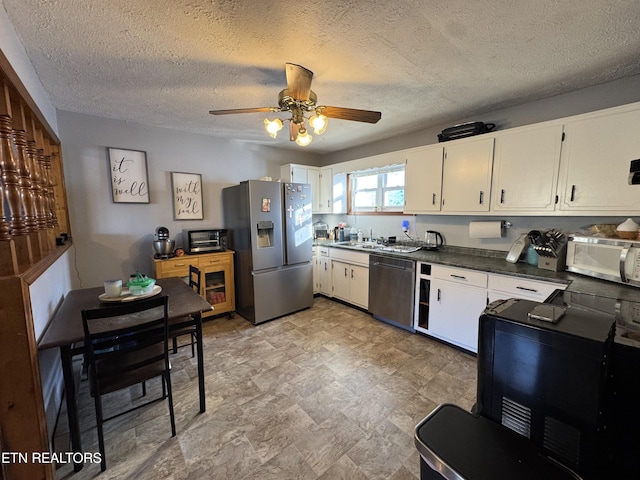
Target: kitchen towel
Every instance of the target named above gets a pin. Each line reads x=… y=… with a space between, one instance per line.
x=486 y=229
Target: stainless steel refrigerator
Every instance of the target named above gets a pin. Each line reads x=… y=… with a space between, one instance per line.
x=271 y=233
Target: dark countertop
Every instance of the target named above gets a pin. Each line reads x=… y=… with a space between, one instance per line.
x=493 y=261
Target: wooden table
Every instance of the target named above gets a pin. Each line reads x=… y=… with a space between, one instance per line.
x=65 y=332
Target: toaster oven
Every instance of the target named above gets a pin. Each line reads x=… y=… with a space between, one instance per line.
x=205 y=241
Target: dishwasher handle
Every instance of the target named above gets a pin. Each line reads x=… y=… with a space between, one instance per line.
x=387 y=265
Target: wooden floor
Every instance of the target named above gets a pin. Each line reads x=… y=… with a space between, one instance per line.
x=326 y=393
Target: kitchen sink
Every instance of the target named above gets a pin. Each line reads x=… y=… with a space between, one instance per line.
x=365 y=245
x=399 y=249
x=380 y=247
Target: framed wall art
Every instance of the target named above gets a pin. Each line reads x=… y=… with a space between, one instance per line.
x=128 y=175
x=187 y=196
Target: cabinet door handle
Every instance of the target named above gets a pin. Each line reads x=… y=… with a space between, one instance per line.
x=461 y=277
x=481 y=197
x=352 y=273
x=433 y=201
x=527 y=289
x=328 y=203
x=325 y=266
x=438 y=294
x=345 y=272
x=573 y=193
x=502 y=196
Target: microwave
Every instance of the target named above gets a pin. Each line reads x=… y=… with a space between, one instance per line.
x=205 y=241
x=610 y=259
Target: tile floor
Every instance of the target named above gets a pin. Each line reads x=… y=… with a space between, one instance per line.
x=328 y=393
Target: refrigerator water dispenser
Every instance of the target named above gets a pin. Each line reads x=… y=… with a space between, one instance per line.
x=265 y=234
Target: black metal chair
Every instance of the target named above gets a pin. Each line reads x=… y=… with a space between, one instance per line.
x=194 y=282
x=127 y=344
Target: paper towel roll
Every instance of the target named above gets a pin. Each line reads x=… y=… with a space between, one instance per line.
x=485 y=229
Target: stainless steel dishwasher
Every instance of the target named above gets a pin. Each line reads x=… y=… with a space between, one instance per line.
x=391 y=290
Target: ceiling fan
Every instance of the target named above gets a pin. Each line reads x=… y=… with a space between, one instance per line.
x=298 y=98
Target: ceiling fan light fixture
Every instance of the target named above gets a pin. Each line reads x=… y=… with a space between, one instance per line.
x=303 y=139
x=299 y=100
x=319 y=123
x=273 y=126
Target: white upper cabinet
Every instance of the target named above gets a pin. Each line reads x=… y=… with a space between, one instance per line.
x=578 y=165
x=313 y=178
x=304 y=174
x=325 y=200
x=423 y=179
x=295 y=173
x=525 y=169
x=466 y=178
x=596 y=157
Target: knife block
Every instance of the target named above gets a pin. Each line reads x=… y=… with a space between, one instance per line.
x=555 y=264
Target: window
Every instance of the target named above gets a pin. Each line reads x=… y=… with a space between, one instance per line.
x=377 y=190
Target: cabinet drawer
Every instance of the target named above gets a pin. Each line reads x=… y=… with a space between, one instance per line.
x=178 y=267
x=350 y=256
x=520 y=287
x=460 y=275
x=214 y=260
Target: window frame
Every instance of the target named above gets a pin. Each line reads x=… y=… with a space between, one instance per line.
x=381 y=189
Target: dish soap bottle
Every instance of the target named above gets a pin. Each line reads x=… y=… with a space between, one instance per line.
x=360 y=236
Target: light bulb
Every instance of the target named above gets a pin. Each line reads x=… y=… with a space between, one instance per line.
x=319 y=123
x=303 y=138
x=273 y=126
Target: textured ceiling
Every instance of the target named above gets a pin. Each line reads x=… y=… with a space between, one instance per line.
x=420 y=62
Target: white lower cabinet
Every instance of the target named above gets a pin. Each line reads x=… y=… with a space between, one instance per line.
x=457 y=299
x=505 y=286
x=324 y=271
x=450 y=300
x=350 y=276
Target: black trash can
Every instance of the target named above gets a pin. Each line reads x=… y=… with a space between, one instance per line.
x=456 y=445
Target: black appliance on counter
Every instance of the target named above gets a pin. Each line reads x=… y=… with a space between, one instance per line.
x=205 y=241
x=564 y=375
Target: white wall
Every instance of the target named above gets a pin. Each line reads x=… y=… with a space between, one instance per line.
x=114 y=240
x=455 y=229
x=46 y=294
x=13 y=49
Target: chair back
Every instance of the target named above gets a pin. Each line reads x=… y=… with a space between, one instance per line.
x=126 y=343
x=194 y=278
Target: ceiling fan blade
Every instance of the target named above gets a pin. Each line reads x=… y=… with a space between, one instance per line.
x=298 y=81
x=294 y=128
x=368 y=116
x=244 y=110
